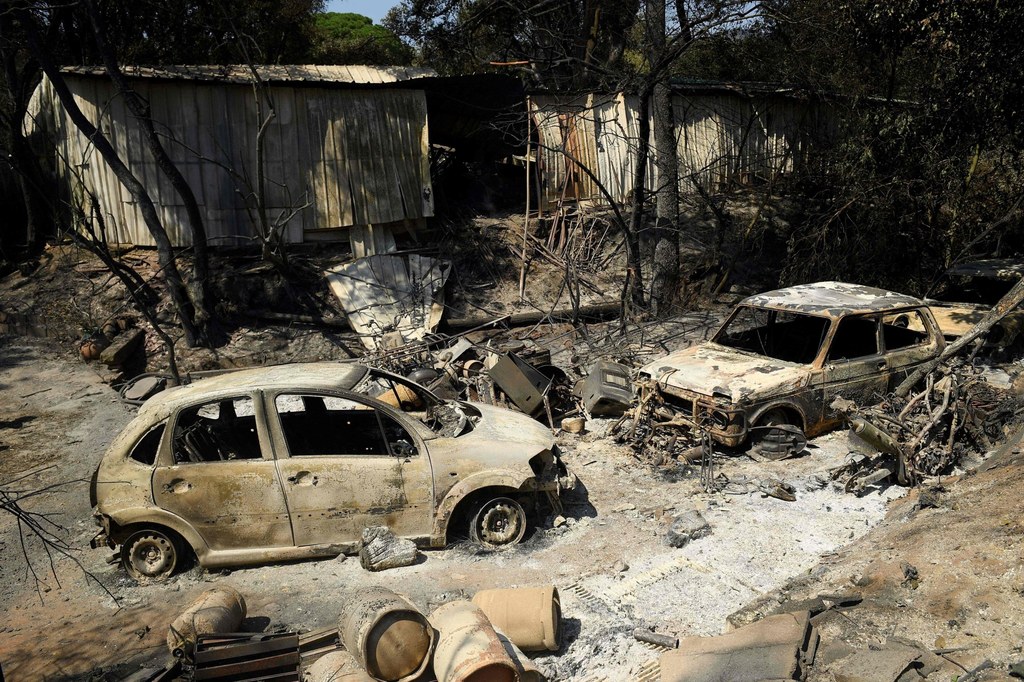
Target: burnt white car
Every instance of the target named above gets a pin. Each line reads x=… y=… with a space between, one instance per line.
x=783 y=356
x=294 y=461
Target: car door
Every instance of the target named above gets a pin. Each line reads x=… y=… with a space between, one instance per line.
x=219 y=476
x=348 y=464
x=854 y=367
x=908 y=340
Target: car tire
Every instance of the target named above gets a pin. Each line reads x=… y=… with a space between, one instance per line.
x=774 y=417
x=150 y=555
x=499 y=522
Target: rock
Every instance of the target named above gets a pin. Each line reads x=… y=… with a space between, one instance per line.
x=121 y=348
x=620 y=566
x=574 y=424
x=558 y=521
x=381 y=550
x=686 y=527
x=911 y=578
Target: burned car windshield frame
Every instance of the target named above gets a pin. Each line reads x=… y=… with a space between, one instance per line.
x=794 y=343
x=376 y=375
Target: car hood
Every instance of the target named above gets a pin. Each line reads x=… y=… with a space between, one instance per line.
x=954 y=319
x=500 y=438
x=713 y=370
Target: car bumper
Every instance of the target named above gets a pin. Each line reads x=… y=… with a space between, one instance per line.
x=101 y=539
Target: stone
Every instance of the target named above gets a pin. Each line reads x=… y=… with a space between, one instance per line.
x=382 y=550
x=558 y=521
x=686 y=527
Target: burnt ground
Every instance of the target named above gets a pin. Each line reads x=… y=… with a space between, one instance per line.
x=74 y=616
x=89 y=621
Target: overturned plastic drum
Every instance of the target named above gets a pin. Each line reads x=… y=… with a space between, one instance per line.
x=530 y=616
x=336 y=666
x=468 y=648
x=221 y=609
x=387 y=634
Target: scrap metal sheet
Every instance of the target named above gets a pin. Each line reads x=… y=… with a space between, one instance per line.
x=388 y=293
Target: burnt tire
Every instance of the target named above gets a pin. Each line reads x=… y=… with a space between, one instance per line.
x=150 y=555
x=769 y=447
x=498 y=522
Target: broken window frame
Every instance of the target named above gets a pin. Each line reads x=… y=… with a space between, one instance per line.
x=772 y=315
x=381 y=415
x=875 y=318
x=160 y=426
x=197 y=407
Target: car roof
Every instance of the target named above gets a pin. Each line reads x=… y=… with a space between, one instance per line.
x=312 y=375
x=994 y=268
x=832 y=299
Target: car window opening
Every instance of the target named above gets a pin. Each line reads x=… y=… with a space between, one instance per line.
x=903 y=330
x=856 y=337
x=778 y=334
x=144 y=451
x=216 y=431
x=327 y=425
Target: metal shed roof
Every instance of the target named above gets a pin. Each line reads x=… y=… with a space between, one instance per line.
x=832 y=299
x=271 y=73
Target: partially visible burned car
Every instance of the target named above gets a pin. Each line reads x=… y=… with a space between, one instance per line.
x=783 y=356
x=294 y=461
x=965 y=292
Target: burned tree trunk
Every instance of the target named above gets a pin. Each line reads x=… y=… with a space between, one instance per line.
x=665 y=258
x=143 y=114
x=165 y=251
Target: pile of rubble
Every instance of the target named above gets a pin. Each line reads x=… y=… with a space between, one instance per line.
x=930 y=432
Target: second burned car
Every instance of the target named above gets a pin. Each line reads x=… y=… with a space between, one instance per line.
x=783 y=356
x=294 y=461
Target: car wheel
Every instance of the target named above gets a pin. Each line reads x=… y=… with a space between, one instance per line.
x=776 y=445
x=499 y=522
x=150 y=555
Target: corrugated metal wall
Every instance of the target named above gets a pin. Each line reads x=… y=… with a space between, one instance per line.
x=722 y=139
x=350 y=156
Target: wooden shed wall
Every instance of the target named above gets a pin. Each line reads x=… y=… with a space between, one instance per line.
x=721 y=138
x=355 y=156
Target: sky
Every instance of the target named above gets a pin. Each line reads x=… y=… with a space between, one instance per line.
x=375 y=9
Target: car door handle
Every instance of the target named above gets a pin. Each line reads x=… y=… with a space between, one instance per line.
x=303 y=478
x=177 y=486
x=882 y=364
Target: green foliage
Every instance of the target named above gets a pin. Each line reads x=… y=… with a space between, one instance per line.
x=546 y=43
x=346 y=38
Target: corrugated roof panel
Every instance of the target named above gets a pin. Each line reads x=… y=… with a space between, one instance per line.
x=272 y=73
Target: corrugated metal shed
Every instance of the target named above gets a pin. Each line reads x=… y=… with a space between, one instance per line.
x=349 y=156
x=725 y=135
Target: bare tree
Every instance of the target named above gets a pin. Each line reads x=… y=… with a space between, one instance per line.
x=175 y=284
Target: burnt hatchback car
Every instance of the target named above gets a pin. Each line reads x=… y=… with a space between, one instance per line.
x=783 y=356
x=294 y=461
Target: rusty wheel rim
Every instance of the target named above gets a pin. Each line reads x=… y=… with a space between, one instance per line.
x=151 y=556
x=501 y=522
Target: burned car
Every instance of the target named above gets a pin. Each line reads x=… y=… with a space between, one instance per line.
x=294 y=461
x=965 y=292
x=782 y=357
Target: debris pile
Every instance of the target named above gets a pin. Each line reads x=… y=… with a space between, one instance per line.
x=930 y=432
